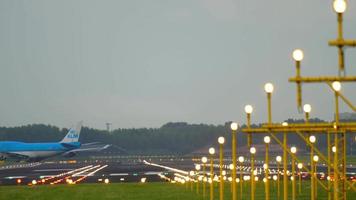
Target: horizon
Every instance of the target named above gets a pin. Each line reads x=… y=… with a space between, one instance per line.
x=174 y=122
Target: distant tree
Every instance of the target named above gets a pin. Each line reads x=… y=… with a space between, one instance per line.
x=172 y=137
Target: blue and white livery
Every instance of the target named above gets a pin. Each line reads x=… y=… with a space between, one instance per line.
x=69 y=146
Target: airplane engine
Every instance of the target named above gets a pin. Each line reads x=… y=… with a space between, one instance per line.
x=70 y=154
x=2 y=157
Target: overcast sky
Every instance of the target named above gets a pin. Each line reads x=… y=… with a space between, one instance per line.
x=138 y=63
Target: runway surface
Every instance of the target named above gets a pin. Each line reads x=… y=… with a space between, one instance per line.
x=127 y=169
x=85 y=171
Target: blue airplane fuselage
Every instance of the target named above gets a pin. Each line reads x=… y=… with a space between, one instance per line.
x=36 y=150
x=13 y=146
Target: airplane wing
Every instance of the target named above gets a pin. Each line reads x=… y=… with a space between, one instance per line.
x=91 y=149
x=88 y=149
x=90 y=144
x=16 y=156
x=12 y=155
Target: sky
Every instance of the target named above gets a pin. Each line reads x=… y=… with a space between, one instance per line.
x=143 y=63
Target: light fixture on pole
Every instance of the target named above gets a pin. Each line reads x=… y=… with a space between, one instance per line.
x=234 y=126
x=340 y=7
x=241 y=160
x=231 y=167
x=312 y=140
x=298 y=56
x=300 y=166
x=333 y=149
x=279 y=160
x=204 y=160
x=253 y=152
x=197 y=168
x=248 y=111
x=221 y=141
x=336 y=85
x=285 y=164
x=211 y=152
x=307 y=110
x=191 y=174
x=293 y=151
x=267 y=140
x=269 y=89
x=316 y=159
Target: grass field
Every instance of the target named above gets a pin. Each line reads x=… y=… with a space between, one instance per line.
x=133 y=191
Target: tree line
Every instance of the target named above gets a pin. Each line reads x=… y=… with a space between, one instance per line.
x=171 y=138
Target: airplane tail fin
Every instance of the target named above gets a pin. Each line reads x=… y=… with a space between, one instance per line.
x=73 y=134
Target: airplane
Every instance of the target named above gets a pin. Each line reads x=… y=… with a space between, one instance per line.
x=69 y=146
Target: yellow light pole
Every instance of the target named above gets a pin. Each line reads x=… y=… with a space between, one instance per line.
x=312 y=140
x=334 y=150
x=231 y=167
x=285 y=165
x=298 y=56
x=337 y=87
x=300 y=166
x=329 y=164
x=293 y=151
x=200 y=179
x=253 y=152
x=307 y=109
x=197 y=168
x=221 y=141
x=264 y=180
x=211 y=152
x=241 y=160
x=248 y=111
x=204 y=160
x=191 y=173
x=279 y=160
x=340 y=7
x=269 y=89
x=234 y=127
x=316 y=159
x=224 y=175
x=274 y=177
x=186 y=182
x=267 y=140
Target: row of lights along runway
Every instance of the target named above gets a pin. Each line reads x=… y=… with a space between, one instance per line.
x=71 y=177
x=335 y=182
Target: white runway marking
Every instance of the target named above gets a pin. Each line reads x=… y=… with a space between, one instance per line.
x=51 y=170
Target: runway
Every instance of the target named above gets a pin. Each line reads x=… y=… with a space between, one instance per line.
x=75 y=172
x=115 y=170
